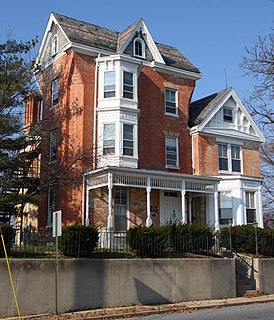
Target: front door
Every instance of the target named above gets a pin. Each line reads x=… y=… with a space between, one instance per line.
x=170 y=207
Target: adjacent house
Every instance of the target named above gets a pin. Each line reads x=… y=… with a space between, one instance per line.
x=123 y=144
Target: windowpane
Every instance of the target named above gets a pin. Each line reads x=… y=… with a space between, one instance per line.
x=109 y=84
x=170 y=101
x=223 y=159
x=236 y=160
x=120 y=209
x=225 y=208
x=128 y=85
x=250 y=207
x=54 y=92
x=228 y=114
x=109 y=139
x=171 y=152
x=128 y=143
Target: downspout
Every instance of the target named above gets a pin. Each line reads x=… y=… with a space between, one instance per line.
x=95 y=115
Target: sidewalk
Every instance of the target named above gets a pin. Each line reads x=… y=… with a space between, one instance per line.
x=141 y=310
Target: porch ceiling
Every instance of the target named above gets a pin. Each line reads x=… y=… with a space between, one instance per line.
x=141 y=178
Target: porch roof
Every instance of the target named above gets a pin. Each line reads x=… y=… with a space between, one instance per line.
x=143 y=178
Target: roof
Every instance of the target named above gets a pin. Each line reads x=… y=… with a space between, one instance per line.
x=95 y=36
x=201 y=108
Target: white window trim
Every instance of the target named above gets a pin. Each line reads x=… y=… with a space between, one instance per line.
x=143 y=48
x=177 y=153
x=255 y=204
x=134 y=140
x=133 y=84
x=176 y=102
x=229 y=157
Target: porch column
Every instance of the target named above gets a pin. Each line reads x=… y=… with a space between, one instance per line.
x=183 y=193
x=217 y=227
x=87 y=207
x=259 y=217
x=148 y=219
x=190 y=207
x=110 y=186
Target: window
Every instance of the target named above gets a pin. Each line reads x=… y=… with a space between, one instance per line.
x=120 y=209
x=225 y=208
x=227 y=114
x=128 y=143
x=54 y=46
x=54 y=93
x=250 y=207
x=229 y=157
x=223 y=158
x=235 y=158
x=109 y=139
x=128 y=85
x=139 y=48
x=109 y=84
x=51 y=205
x=170 y=102
x=171 y=151
x=53 y=145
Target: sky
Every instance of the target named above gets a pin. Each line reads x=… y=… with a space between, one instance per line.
x=212 y=34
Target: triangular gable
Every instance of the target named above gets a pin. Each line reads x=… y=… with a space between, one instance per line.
x=225 y=98
x=47 y=37
x=128 y=35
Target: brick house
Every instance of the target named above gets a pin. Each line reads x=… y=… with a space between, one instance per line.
x=122 y=143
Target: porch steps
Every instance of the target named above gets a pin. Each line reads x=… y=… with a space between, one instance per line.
x=245 y=286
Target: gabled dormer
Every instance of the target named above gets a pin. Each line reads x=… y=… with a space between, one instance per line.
x=223 y=114
x=137 y=41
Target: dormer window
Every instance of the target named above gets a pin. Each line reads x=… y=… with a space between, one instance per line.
x=227 y=114
x=139 y=48
x=54 y=46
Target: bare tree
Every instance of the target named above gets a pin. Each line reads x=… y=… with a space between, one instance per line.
x=258 y=62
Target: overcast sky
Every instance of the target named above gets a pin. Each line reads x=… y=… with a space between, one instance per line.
x=212 y=34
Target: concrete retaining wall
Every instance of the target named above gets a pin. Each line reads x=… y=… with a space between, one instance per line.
x=87 y=284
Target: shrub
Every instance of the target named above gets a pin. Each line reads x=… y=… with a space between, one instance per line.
x=180 y=238
x=78 y=240
x=243 y=239
x=7 y=232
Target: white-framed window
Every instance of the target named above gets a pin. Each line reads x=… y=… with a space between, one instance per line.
x=53 y=145
x=51 y=205
x=172 y=159
x=225 y=208
x=250 y=207
x=171 y=102
x=120 y=209
x=54 y=45
x=139 y=48
x=228 y=114
x=229 y=156
x=109 y=139
x=54 y=92
x=128 y=139
x=109 y=84
x=128 y=85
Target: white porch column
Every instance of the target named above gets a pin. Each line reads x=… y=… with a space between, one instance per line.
x=216 y=210
x=148 y=219
x=110 y=186
x=183 y=193
x=87 y=207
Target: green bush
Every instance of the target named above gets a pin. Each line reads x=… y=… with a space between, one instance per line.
x=7 y=232
x=78 y=240
x=243 y=239
x=178 y=238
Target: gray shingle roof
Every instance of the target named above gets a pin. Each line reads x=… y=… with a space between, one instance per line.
x=201 y=108
x=89 y=34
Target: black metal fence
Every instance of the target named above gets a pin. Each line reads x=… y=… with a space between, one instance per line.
x=113 y=244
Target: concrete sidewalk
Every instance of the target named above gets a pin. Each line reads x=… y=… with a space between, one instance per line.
x=141 y=310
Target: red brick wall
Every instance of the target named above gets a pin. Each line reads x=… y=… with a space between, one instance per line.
x=154 y=125
x=73 y=118
x=206 y=157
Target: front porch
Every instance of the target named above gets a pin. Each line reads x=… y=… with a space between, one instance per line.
x=118 y=198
